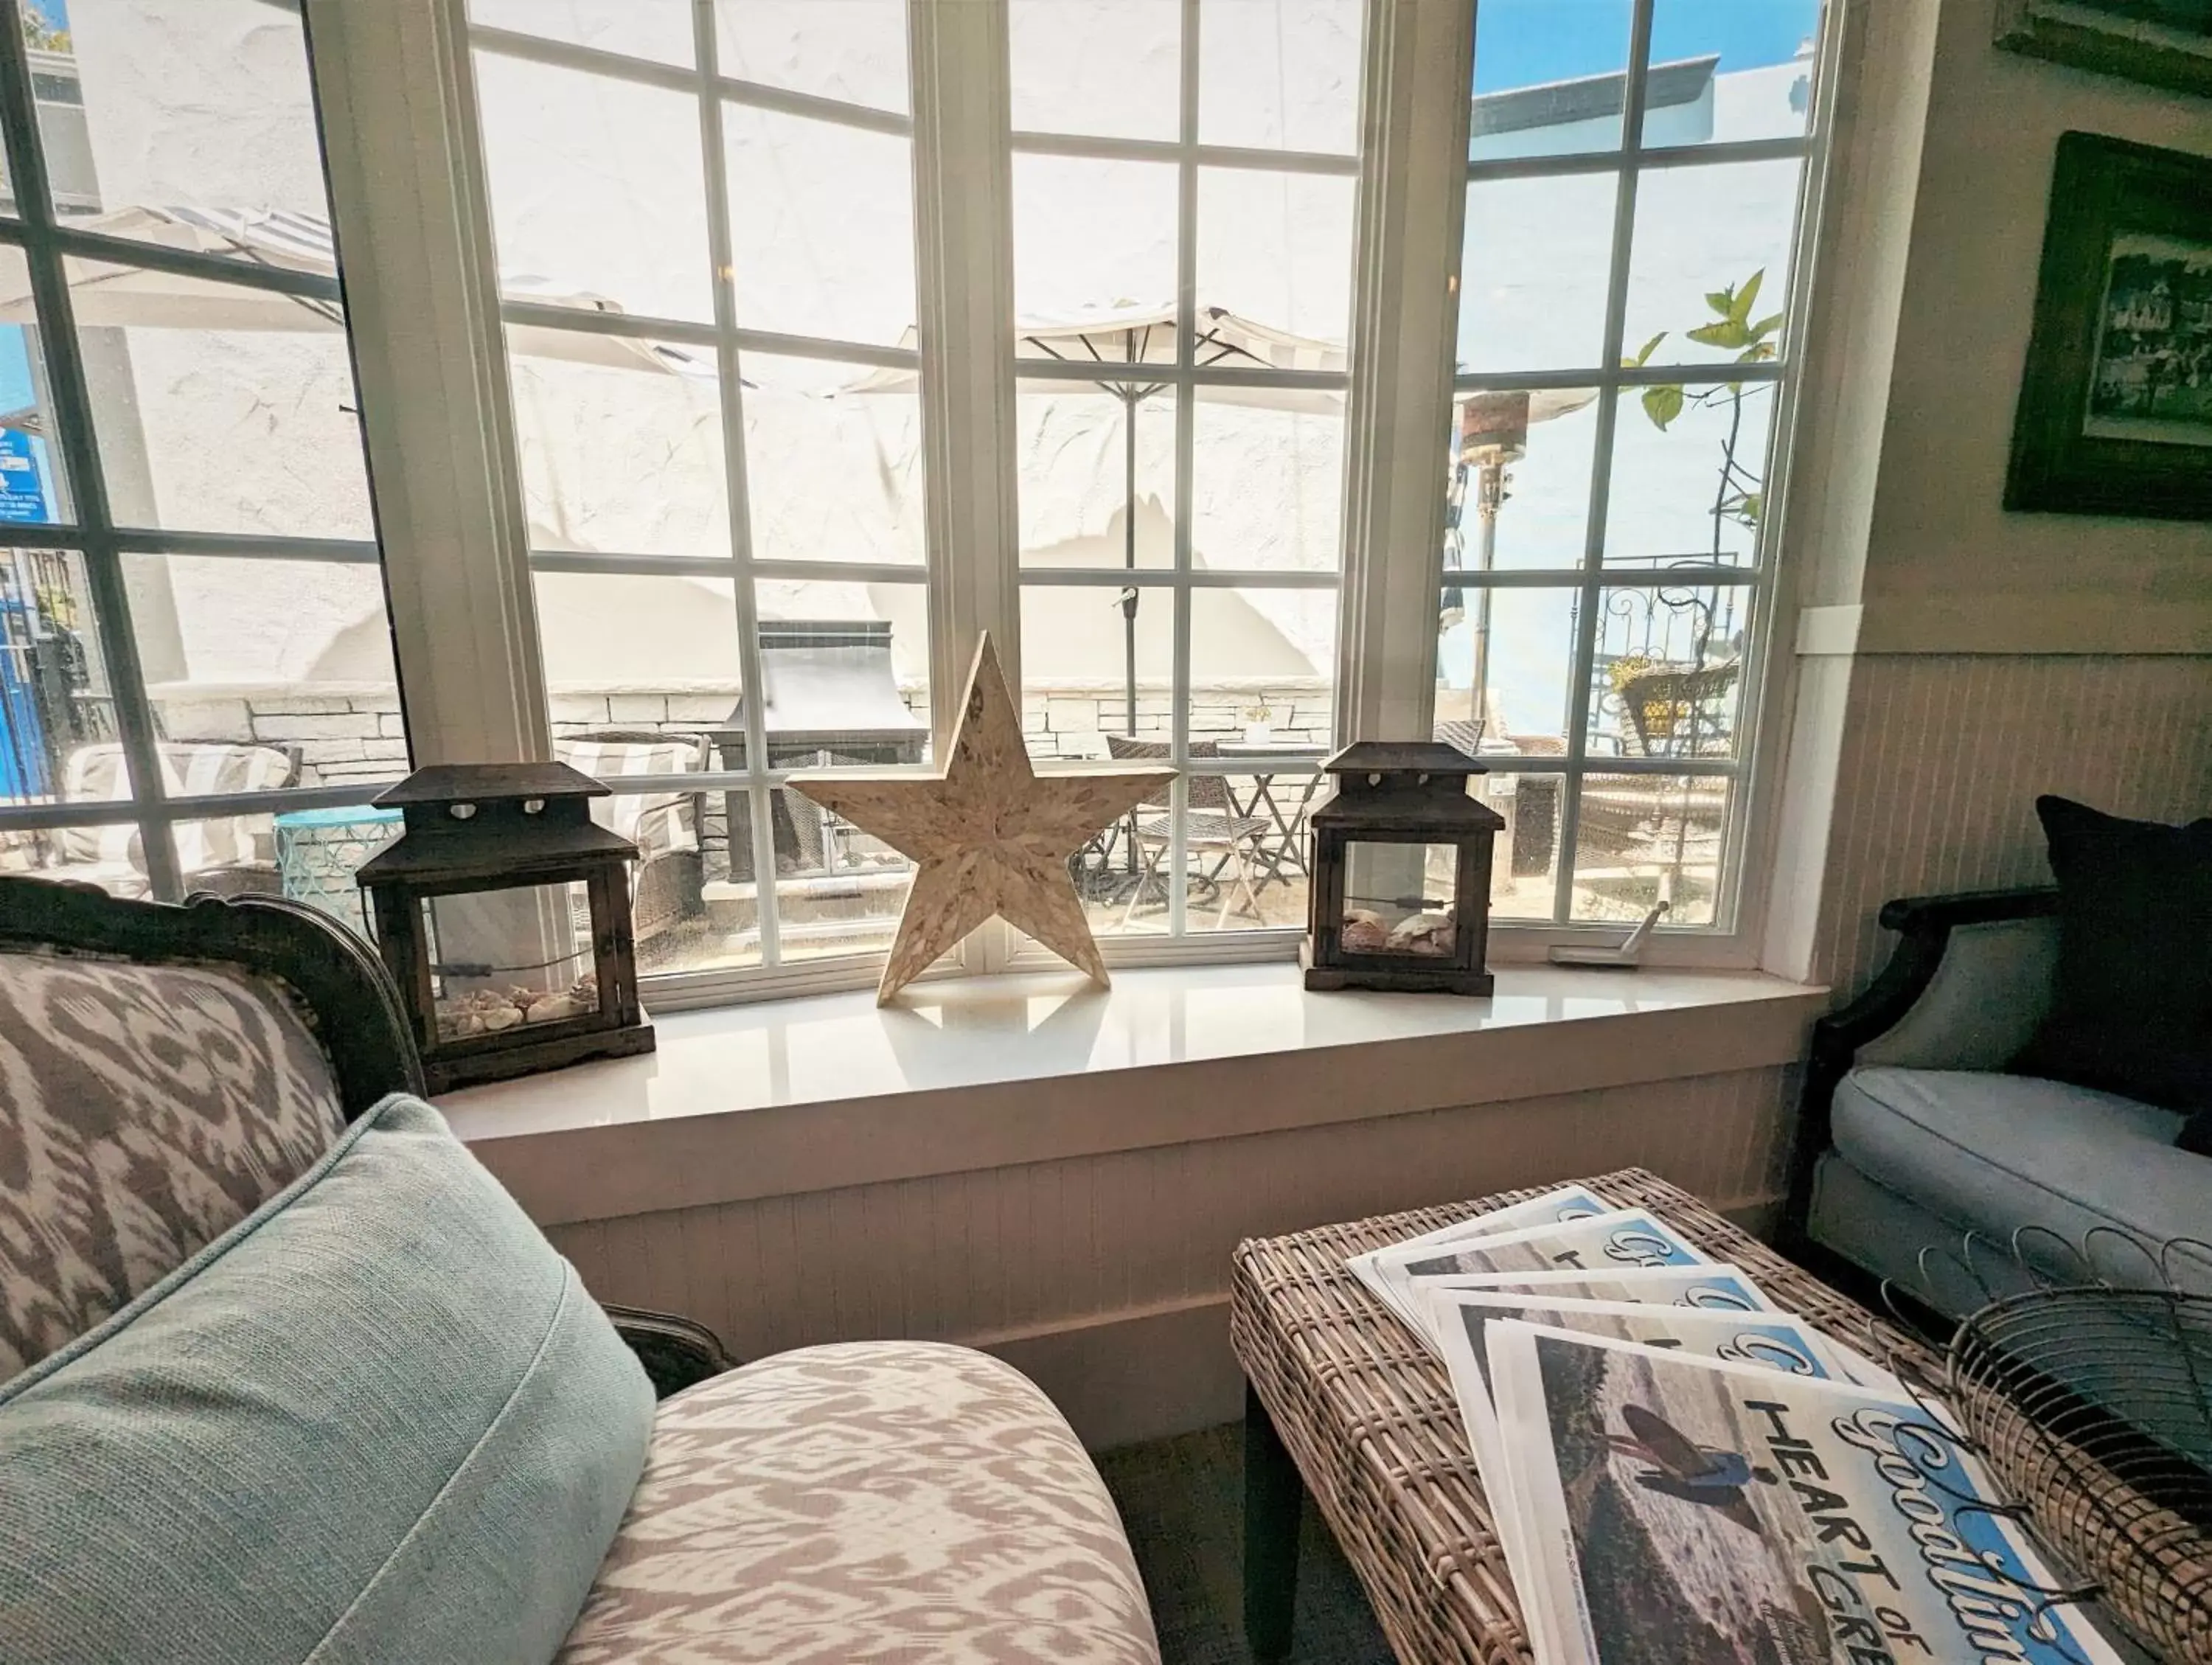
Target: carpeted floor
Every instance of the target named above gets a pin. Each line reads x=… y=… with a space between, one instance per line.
x=1182 y=1502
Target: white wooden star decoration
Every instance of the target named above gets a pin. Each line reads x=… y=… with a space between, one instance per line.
x=990 y=837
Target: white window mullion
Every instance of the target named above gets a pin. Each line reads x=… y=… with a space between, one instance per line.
x=964 y=293
x=412 y=220
x=1186 y=443
x=714 y=174
x=964 y=300
x=1413 y=202
x=1582 y=670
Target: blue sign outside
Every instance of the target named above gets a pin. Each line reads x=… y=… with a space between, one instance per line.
x=23 y=487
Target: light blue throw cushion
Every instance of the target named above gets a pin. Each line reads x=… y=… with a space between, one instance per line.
x=378 y=1420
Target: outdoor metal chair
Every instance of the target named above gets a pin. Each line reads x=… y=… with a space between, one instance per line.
x=1213 y=825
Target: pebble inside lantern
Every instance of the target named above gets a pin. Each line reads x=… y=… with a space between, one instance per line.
x=503 y=912
x=1401 y=889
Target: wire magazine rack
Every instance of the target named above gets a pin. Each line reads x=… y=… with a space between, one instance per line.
x=2085 y=1385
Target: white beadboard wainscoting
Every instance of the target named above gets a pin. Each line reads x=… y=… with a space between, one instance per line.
x=1106 y=1277
x=1076 y=1217
x=1944 y=754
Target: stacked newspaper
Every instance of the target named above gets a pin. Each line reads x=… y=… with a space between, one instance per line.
x=1681 y=1471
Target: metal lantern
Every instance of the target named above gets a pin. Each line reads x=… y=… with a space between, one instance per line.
x=1399 y=897
x=503 y=912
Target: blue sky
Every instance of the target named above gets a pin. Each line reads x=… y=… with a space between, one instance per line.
x=1522 y=43
x=56 y=12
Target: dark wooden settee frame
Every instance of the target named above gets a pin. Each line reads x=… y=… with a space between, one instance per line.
x=1924 y=928
x=345 y=993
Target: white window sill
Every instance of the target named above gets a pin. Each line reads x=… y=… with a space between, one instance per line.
x=815 y=1093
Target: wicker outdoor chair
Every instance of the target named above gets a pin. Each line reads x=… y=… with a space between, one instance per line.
x=225 y=855
x=668 y=886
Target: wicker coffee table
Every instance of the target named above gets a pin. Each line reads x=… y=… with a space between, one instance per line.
x=1343 y=1400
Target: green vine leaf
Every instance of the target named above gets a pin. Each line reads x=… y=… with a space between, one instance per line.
x=1740 y=306
x=1644 y=357
x=1722 y=301
x=1767 y=325
x=1662 y=404
x=1728 y=332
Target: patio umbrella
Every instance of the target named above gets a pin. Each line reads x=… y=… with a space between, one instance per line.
x=1491 y=430
x=118 y=295
x=1124 y=335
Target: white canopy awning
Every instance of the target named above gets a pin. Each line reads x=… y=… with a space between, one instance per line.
x=118 y=295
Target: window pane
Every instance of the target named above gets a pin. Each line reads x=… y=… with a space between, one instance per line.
x=632 y=650
x=1549 y=82
x=853 y=51
x=1644 y=839
x=833 y=461
x=598 y=192
x=60 y=106
x=1262 y=658
x=1519 y=493
x=1091 y=657
x=1519 y=646
x=1101 y=67
x=1667 y=679
x=624 y=460
x=1532 y=280
x=231 y=168
x=32 y=489
x=1695 y=490
x=1086 y=499
x=1278 y=76
x=821 y=226
x=109 y=855
x=266 y=673
x=1274 y=250
x=846 y=671
x=1725 y=73
x=219 y=408
x=838 y=891
x=1525 y=858
x=1712 y=256
x=1248 y=842
x=729 y=936
x=656 y=29
x=1267 y=481
x=1093 y=259
x=55 y=698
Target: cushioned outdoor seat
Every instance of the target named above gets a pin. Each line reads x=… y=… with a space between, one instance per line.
x=1993 y=1153
x=867 y=1502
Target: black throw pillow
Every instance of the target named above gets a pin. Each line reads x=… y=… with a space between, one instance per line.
x=2132 y=1007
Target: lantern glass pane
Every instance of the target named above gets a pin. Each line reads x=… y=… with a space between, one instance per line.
x=1398 y=899
x=508 y=959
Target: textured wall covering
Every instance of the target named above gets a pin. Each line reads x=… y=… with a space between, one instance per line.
x=1944 y=754
x=999 y=1257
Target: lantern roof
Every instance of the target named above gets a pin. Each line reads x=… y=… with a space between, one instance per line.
x=1402 y=757
x=489 y=783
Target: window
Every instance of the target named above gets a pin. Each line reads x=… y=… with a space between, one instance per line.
x=1632 y=192
x=198 y=689
x=704 y=226
x=833 y=335
x=1184 y=181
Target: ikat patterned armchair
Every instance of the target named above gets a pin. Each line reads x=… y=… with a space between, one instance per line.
x=166 y=1070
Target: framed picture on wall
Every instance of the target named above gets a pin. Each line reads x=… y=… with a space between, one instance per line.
x=2115 y=413
x=2162 y=43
